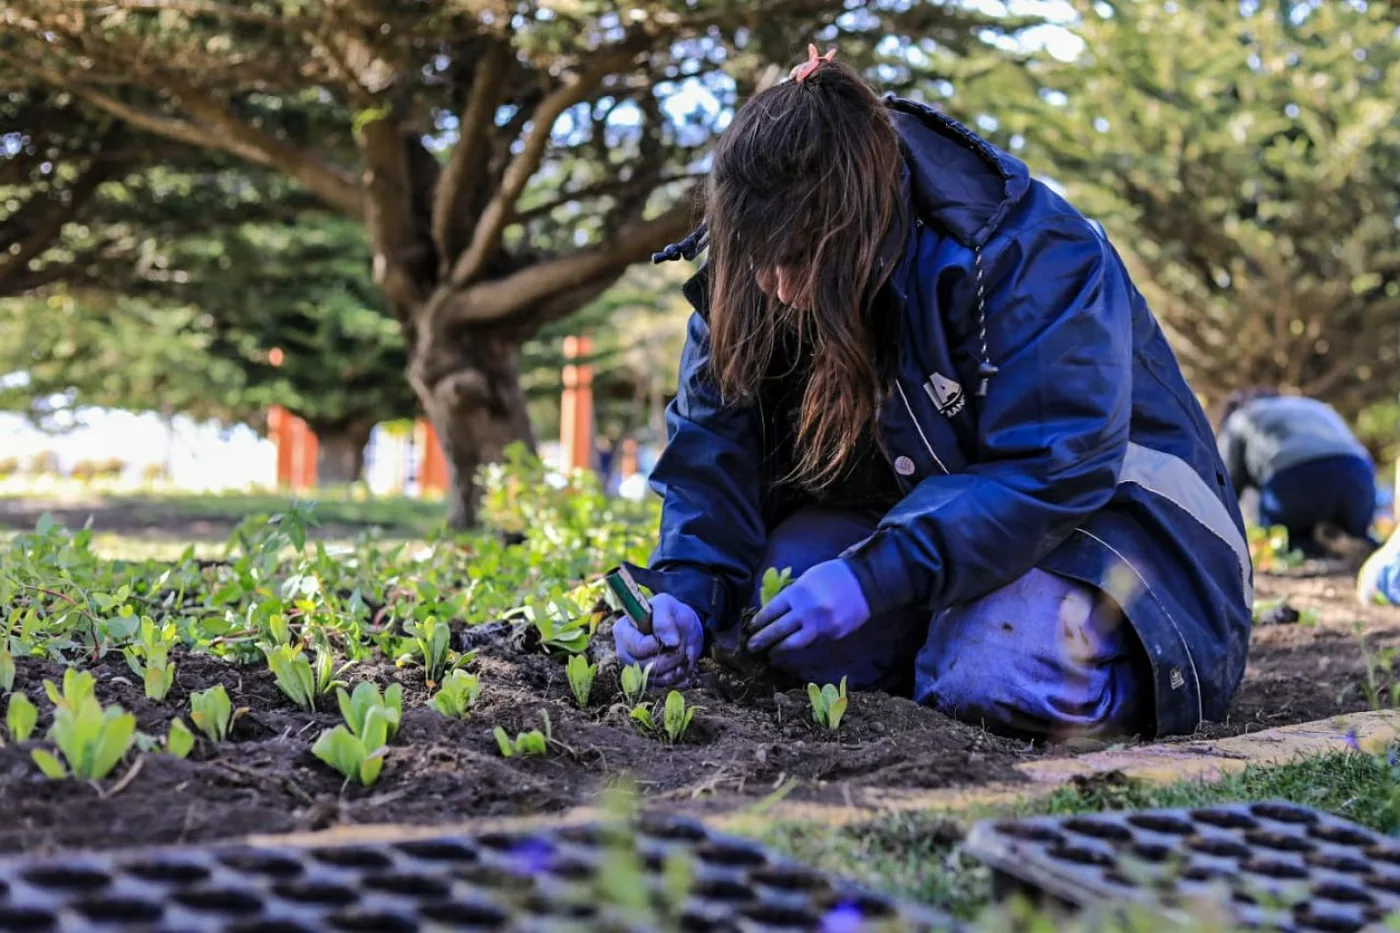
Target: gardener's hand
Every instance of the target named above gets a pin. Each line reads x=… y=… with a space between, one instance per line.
x=672 y=650
x=826 y=602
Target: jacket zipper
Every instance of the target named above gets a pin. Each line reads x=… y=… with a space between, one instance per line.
x=917 y=427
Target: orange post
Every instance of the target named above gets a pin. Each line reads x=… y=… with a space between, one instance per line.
x=576 y=406
x=433 y=474
x=297 y=449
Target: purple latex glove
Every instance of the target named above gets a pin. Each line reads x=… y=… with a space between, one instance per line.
x=825 y=603
x=674 y=647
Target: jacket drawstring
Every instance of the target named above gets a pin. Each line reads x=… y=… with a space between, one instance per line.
x=688 y=248
x=985 y=369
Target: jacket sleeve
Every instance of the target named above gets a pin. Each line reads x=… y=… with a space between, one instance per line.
x=1231 y=445
x=712 y=532
x=1052 y=431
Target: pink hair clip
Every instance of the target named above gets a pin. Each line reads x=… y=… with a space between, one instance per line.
x=804 y=70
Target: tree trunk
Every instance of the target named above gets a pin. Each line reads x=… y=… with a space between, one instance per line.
x=340 y=458
x=470 y=389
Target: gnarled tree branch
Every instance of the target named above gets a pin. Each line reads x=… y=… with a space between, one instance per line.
x=472 y=149
x=501 y=298
x=494 y=220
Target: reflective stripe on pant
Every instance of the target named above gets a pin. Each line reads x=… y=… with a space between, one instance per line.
x=1044 y=656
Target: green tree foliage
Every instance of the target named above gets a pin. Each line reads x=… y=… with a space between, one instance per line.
x=1244 y=157
x=506 y=161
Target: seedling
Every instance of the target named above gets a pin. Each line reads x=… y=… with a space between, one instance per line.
x=581 y=675
x=458 y=694
x=560 y=633
x=434 y=640
x=300 y=679
x=774 y=582
x=357 y=757
x=675 y=718
x=91 y=738
x=149 y=657
x=634 y=683
x=532 y=744
x=7 y=666
x=20 y=717
x=294 y=677
x=828 y=704
x=213 y=713
x=356 y=707
x=180 y=741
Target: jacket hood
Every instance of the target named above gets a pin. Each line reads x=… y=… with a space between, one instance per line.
x=958 y=180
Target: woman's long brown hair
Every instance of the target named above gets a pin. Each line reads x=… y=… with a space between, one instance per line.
x=806 y=178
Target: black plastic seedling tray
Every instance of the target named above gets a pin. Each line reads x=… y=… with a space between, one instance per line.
x=544 y=879
x=1272 y=865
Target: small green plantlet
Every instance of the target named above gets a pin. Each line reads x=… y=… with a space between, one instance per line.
x=581 y=675
x=294 y=676
x=213 y=713
x=774 y=582
x=356 y=707
x=458 y=694
x=634 y=683
x=675 y=717
x=530 y=744
x=180 y=741
x=20 y=717
x=828 y=704
x=149 y=657
x=7 y=666
x=91 y=738
x=641 y=715
x=357 y=757
x=434 y=639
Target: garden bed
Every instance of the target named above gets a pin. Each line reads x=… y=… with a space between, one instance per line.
x=746 y=743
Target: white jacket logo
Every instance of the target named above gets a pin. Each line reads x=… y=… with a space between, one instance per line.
x=947 y=395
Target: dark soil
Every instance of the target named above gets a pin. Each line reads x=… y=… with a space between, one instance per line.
x=745 y=744
x=739 y=750
x=1317 y=667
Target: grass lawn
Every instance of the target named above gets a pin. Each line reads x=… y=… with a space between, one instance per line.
x=913 y=855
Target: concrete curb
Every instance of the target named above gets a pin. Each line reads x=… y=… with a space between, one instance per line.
x=1158 y=764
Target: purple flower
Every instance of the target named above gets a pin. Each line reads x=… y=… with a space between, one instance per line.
x=845 y=917
x=1352 y=741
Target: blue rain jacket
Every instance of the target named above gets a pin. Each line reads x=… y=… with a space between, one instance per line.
x=1088 y=456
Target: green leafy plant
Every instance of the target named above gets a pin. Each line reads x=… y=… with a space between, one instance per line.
x=581 y=674
x=91 y=738
x=357 y=757
x=300 y=679
x=563 y=627
x=457 y=695
x=774 y=582
x=7 y=666
x=634 y=683
x=675 y=718
x=294 y=676
x=828 y=704
x=356 y=707
x=180 y=740
x=531 y=744
x=20 y=717
x=213 y=712
x=434 y=641
x=149 y=657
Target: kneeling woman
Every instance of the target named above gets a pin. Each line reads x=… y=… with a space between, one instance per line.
x=925 y=383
